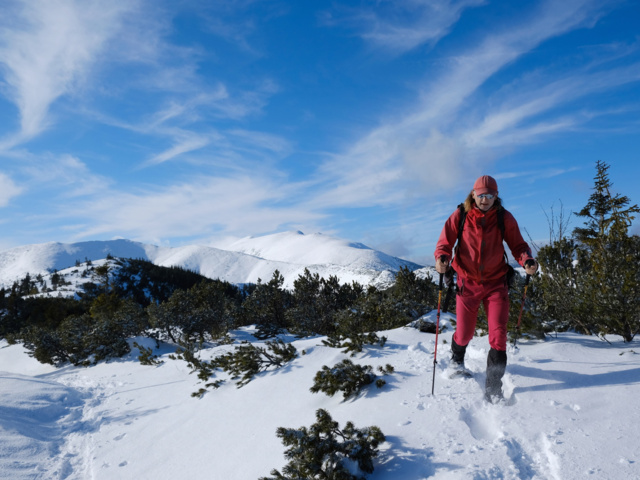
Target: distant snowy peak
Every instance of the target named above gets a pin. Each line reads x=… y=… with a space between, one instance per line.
x=45 y=257
x=316 y=249
x=245 y=261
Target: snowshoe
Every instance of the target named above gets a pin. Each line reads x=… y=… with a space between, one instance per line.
x=458 y=370
x=494 y=398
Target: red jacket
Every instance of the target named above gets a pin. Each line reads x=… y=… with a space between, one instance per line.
x=480 y=255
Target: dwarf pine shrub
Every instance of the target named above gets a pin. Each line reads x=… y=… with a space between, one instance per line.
x=348 y=378
x=355 y=342
x=324 y=451
x=242 y=364
x=147 y=357
x=248 y=360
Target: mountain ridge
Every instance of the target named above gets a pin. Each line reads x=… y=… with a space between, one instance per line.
x=244 y=261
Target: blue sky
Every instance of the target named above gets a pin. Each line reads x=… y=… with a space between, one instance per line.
x=179 y=122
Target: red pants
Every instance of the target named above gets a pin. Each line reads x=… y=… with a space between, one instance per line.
x=495 y=298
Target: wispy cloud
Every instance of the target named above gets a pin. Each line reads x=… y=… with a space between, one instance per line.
x=48 y=51
x=185 y=142
x=516 y=116
x=185 y=121
x=51 y=49
x=454 y=131
x=8 y=189
x=244 y=199
x=62 y=176
x=197 y=208
x=238 y=21
x=401 y=26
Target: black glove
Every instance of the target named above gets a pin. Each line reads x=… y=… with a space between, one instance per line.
x=530 y=266
x=442 y=264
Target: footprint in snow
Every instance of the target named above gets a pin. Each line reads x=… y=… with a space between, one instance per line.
x=522 y=462
x=481 y=427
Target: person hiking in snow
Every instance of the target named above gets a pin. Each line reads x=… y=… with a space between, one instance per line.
x=480 y=263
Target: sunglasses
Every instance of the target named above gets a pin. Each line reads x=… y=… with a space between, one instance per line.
x=488 y=196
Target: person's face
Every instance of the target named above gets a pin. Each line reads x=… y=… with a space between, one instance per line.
x=483 y=202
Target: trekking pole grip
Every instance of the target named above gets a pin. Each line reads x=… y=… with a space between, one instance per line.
x=443 y=258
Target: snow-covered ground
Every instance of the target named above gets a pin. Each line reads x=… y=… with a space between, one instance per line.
x=574 y=414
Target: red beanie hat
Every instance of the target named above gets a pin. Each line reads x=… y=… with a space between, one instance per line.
x=486 y=184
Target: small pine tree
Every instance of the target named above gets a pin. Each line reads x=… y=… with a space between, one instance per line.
x=412 y=295
x=371 y=312
x=245 y=362
x=324 y=451
x=316 y=302
x=613 y=281
x=355 y=342
x=147 y=357
x=201 y=312
x=348 y=378
x=248 y=360
x=44 y=345
x=102 y=275
x=592 y=280
x=266 y=307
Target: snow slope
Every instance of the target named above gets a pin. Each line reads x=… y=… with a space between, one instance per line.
x=573 y=416
x=245 y=262
x=316 y=249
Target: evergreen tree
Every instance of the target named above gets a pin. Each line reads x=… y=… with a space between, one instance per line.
x=561 y=294
x=267 y=305
x=592 y=280
x=413 y=296
x=44 y=345
x=214 y=308
x=607 y=217
x=245 y=362
x=316 y=302
x=348 y=378
x=188 y=314
x=248 y=360
x=306 y=316
x=55 y=280
x=323 y=450
x=373 y=311
x=102 y=274
x=614 y=277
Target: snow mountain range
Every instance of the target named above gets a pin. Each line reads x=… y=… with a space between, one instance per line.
x=244 y=261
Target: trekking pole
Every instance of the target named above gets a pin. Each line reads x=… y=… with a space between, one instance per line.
x=435 y=352
x=524 y=296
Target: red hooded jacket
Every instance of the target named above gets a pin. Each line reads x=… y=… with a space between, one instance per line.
x=480 y=255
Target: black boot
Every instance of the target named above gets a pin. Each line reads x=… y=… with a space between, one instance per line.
x=457 y=353
x=496 y=365
x=456 y=368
